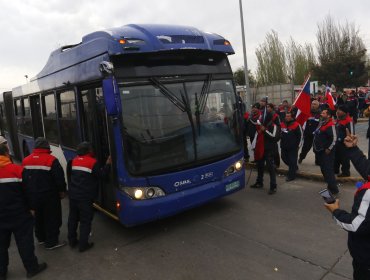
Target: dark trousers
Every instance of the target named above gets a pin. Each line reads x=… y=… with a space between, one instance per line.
x=307 y=145
x=23 y=235
x=80 y=212
x=269 y=159
x=245 y=144
x=326 y=163
x=48 y=219
x=290 y=158
x=341 y=159
x=360 y=271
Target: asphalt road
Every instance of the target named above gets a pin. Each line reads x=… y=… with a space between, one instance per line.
x=248 y=235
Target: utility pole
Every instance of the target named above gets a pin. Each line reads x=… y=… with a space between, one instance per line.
x=247 y=89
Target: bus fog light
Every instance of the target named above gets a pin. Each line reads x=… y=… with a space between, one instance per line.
x=237 y=166
x=141 y=193
x=138 y=194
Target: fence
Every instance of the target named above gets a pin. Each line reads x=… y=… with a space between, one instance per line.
x=275 y=93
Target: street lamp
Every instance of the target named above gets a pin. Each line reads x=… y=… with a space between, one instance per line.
x=247 y=89
x=26 y=76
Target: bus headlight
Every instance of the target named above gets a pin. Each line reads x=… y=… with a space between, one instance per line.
x=237 y=166
x=141 y=193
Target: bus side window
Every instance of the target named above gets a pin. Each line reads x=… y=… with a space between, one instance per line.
x=26 y=126
x=69 y=133
x=50 y=118
x=18 y=111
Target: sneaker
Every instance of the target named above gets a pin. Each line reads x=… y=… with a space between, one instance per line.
x=58 y=245
x=41 y=267
x=257 y=186
x=272 y=191
x=344 y=175
x=86 y=247
x=41 y=242
x=288 y=179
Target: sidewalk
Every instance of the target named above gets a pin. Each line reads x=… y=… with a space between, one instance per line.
x=308 y=169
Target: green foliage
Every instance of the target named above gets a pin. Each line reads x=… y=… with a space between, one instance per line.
x=240 y=78
x=300 y=60
x=341 y=55
x=271 y=66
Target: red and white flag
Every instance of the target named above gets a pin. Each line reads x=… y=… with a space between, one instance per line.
x=303 y=103
x=329 y=99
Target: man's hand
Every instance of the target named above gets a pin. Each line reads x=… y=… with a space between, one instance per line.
x=109 y=160
x=327 y=151
x=62 y=195
x=332 y=206
x=351 y=140
x=262 y=128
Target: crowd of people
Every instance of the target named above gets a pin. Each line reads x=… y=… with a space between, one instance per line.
x=268 y=126
x=30 y=200
x=334 y=143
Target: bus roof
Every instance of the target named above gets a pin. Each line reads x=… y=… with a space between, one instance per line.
x=132 y=38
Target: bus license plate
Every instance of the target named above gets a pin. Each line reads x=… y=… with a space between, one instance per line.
x=232 y=186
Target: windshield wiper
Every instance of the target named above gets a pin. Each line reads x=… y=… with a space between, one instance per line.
x=200 y=104
x=167 y=93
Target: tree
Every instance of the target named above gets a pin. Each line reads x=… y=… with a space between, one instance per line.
x=341 y=55
x=300 y=61
x=271 y=66
x=240 y=78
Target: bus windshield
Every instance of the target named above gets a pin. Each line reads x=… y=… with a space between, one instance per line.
x=173 y=123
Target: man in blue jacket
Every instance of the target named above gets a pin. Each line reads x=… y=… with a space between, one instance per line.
x=43 y=177
x=357 y=223
x=324 y=140
x=15 y=218
x=83 y=173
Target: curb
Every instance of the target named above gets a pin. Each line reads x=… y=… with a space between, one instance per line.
x=309 y=175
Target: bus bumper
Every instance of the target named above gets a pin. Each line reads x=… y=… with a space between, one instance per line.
x=134 y=212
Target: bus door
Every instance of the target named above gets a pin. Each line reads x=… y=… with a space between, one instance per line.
x=97 y=130
x=12 y=136
x=35 y=104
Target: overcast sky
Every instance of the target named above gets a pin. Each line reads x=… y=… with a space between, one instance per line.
x=31 y=29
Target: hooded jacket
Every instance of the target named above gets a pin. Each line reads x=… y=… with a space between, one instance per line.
x=43 y=175
x=13 y=204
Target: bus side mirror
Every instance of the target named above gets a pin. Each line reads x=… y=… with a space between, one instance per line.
x=111 y=96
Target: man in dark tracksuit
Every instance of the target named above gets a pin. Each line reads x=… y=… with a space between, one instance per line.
x=324 y=148
x=309 y=129
x=344 y=121
x=291 y=138
x=15 y=218
x=83 y=173
x=43 y=177
x=357 y=223
x=268 y=134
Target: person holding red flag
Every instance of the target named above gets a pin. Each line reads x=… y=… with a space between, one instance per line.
x=291 y=139
x=265 y=145
x=344 y=121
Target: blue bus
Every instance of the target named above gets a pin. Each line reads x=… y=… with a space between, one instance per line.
x=160 y=99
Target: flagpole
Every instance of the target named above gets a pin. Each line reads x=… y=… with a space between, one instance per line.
x=247 y=89
x=303 y=86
